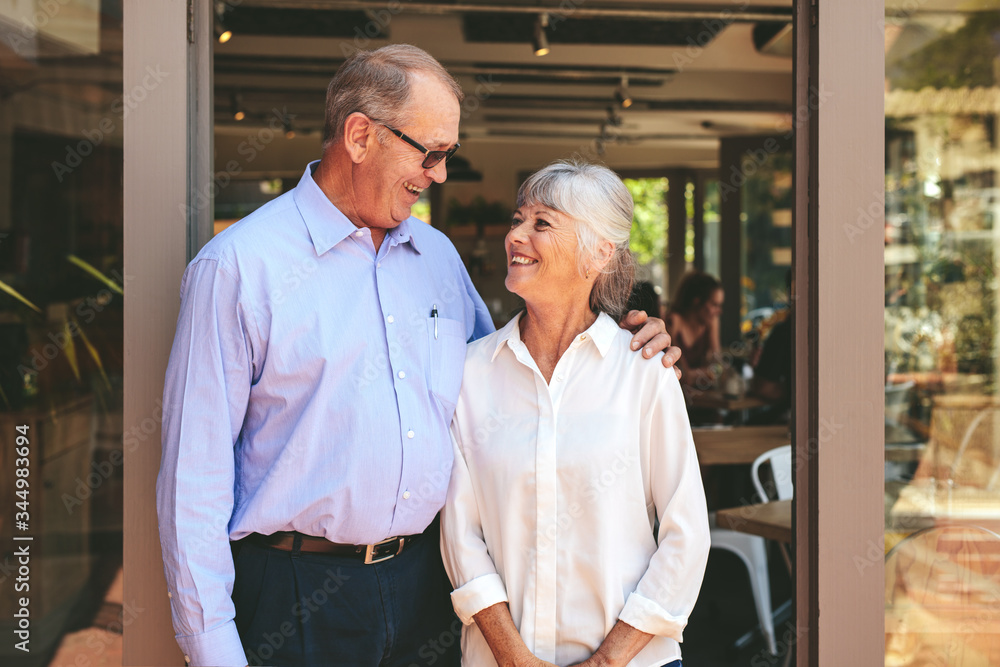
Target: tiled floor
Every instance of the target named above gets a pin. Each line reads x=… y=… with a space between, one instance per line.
x=93 y=647
x=101 y=644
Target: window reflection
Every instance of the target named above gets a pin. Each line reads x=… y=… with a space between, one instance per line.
x=62 y=285
x=942 y=409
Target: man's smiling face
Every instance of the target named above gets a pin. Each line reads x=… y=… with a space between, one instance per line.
x=389 y=181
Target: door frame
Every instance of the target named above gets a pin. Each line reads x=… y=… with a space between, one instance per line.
x=838 y=355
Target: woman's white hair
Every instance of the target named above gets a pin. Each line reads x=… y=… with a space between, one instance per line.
x=602 y=207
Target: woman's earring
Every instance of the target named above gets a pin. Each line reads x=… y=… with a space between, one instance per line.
x=588 y=274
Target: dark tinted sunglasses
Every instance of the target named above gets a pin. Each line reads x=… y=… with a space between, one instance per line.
x=431 y=158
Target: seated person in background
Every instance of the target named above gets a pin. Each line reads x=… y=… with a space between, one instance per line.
x=772 y=376
x=693 y=325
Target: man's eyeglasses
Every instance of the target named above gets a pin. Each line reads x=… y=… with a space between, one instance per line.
x=431 y=158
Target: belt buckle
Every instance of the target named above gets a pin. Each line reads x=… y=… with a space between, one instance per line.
x=373 y=552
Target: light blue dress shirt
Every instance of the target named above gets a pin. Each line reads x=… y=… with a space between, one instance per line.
x=308 y=389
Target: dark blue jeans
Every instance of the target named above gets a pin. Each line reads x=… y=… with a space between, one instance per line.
x=315 y=609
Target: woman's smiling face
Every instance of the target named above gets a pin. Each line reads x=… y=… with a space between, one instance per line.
x=542 y=259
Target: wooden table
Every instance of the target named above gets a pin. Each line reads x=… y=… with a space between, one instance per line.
x=738 y=444
x=772 y=521
x=715 y=399
x=921 y=507
x=937 y=381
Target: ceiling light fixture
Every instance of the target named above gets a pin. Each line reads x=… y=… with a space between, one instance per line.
x=540 y=42
x=622 y=95
x=237 y=107
x=223 y=33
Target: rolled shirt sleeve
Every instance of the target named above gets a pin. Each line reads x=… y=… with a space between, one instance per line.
x=667 y=592
x=205 y=399
x=463 y=547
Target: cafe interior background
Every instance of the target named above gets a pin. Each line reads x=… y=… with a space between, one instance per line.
x=691 y=105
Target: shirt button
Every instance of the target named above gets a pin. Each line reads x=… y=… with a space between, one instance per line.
x=410 y=434
x=390 y=319
x=559 y=378
x=359 y=233
x=406 y=495
x=402 y=375
x=583 y=337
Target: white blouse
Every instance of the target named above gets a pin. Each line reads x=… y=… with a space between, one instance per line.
x=554 y=493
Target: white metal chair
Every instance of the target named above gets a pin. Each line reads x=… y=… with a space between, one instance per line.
x=751 y=549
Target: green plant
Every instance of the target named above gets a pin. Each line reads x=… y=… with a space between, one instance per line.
x=649 y=222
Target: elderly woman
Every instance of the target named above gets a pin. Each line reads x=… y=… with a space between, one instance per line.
x=568 y=450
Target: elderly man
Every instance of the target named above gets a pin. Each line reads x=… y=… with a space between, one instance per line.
x=313 y=376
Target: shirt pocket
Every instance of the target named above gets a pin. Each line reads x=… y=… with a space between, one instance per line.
x=447 y=357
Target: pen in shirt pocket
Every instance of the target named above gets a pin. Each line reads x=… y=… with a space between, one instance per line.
x=434 y=314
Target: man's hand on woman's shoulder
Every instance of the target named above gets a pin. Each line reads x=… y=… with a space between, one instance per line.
x=650 y=333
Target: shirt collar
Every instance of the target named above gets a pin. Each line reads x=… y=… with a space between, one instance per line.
x=326 y=224
x=602 y=332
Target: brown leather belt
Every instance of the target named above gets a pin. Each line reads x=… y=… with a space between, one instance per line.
x=369 y=553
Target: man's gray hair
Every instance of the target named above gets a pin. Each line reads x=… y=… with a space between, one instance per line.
x=602 y=207
x=377 y=83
